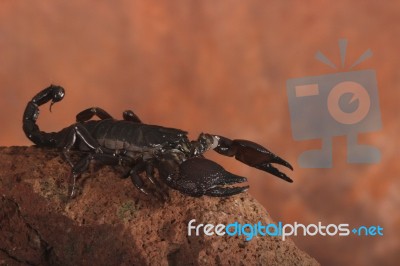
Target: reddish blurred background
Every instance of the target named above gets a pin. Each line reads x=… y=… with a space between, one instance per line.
x=220 y=67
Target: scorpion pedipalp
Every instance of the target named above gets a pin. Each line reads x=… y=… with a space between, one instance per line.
x=199 y=176
x=253 y=155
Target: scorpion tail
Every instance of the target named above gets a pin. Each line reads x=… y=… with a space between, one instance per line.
x=31 y=129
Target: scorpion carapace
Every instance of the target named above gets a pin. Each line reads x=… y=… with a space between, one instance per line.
x=143 y=147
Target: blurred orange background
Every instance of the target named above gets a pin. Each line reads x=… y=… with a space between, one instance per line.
x=221 y=67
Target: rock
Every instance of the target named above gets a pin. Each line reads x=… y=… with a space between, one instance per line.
x=112 y=223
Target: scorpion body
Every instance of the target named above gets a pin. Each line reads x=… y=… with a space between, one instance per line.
x=143 y=147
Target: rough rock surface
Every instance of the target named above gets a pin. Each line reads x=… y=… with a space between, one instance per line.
x=111 y=223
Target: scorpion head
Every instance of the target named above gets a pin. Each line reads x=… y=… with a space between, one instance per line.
x=199 y=176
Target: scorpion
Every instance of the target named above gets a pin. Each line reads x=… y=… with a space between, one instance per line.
x=143 y=147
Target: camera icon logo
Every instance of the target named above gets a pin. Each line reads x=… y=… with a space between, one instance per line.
x=338 y=104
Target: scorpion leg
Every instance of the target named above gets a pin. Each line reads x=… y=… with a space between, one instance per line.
x=78 y=131
x=146 y=166
x=136 y=179
x=87 y=114
x=107 y=159
x=83 y=164
x=150 y=172
x=129 y=115
x=150 y=175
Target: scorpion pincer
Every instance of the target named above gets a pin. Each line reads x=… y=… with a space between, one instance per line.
x=144 y=148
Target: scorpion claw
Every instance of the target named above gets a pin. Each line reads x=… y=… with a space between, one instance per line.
x=267 y=167
x=200 y=176
x=253 y=155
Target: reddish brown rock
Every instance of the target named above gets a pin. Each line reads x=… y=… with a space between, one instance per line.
x=111 y=223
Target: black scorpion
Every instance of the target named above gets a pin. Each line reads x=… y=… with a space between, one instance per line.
x=143 y=147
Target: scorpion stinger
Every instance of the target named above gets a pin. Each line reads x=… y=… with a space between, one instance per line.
x=142 y=148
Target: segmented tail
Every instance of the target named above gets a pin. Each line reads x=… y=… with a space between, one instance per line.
x=31 y=129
